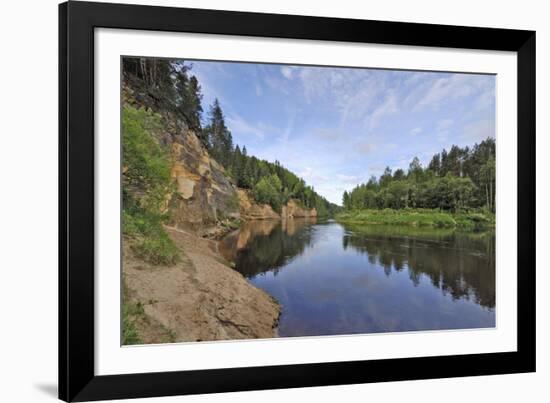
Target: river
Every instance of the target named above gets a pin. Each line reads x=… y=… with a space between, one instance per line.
x=332 y=278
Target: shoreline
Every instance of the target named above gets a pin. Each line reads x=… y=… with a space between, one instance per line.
x=419 y=218
x=200 y=298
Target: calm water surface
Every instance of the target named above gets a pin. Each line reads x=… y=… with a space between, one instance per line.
x=343 y=279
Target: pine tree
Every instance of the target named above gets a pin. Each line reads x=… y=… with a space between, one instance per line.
x=219 y=136
x=188 y=99
x=435 y=164
x=195 y=108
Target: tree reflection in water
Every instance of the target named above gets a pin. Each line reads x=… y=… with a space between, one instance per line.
x=267 y=245
x=460 y=264
x=342 y=279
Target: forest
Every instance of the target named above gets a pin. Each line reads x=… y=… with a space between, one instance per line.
x=458 y=180
x=177 y=91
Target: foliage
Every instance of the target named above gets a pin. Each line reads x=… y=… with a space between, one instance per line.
x=173 y=89
x=169 y=87
x=220 y=141
x=459 y=180
x=268 y=191
x=146 y=182
x=418 y=218
x=145 y=163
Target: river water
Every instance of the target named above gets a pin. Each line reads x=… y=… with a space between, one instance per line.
x=332 y=278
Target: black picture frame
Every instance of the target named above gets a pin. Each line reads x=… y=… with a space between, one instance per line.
x=77 y=379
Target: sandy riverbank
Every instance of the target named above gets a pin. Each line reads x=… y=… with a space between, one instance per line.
x=200 y=298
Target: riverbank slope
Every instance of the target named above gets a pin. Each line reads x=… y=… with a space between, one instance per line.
x=198 y=298
x=418 y=218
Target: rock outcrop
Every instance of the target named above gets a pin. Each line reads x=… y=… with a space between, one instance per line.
x=204 y=194
x=250 y=210
x=294 y=210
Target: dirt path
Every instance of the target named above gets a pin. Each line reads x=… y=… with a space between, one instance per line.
x=200 y=298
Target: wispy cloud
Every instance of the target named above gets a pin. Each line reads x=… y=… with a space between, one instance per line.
x=258 y=89
x=350 y=179
x=353 y=92
x=287 y=71
x=328 y=134
x=444 y=124
x=433 y=93
x=336 y=127
x=239 y=125
x=416 y=131
x=386 y=108
x=366 y=148
x=312 y=175
x=479 y=130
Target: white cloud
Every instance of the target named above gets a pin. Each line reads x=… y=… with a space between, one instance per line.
x=376 y=170
x=259 y=91
x=276 y=83
x=350 y=179
x=312 y=176
x=432 y=93
x=479 y=131
x=287 y=71
x=284 y=136
x=354 y=93
x=237 y=124
x=444 y=124
x=416 y=131
x=365 y=148
x=442 y=136
x=386 y=108
x=485 y=100
x=328 y=134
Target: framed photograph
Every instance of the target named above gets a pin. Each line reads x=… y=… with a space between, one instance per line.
x=258 y=201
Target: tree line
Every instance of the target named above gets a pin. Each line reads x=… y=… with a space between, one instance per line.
x=454 y=180
x=172 y=87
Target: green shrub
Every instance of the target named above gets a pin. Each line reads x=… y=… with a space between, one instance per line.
x=268 y=191
x=159 y=249
x=146 y=163
x=146 y=174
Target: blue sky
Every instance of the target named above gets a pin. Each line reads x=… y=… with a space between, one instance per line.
x=335 y=127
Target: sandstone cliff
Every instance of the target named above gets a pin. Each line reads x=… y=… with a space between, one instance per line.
x=294 y=210
x=250 y=210
x=204 y=194
x=204 y=198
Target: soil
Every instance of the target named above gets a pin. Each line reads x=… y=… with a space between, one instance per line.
x=200 y=298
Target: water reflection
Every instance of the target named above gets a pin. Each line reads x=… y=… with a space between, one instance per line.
x=266 y=245
x=460 y=264
x=334 y=279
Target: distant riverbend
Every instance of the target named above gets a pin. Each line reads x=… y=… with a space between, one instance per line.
x=335 y=278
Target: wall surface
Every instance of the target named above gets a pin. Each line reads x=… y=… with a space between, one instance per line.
x=28 y=205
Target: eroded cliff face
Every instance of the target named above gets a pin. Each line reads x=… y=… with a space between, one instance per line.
x=204 y=194
x=294 y=210
x=250 y=210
